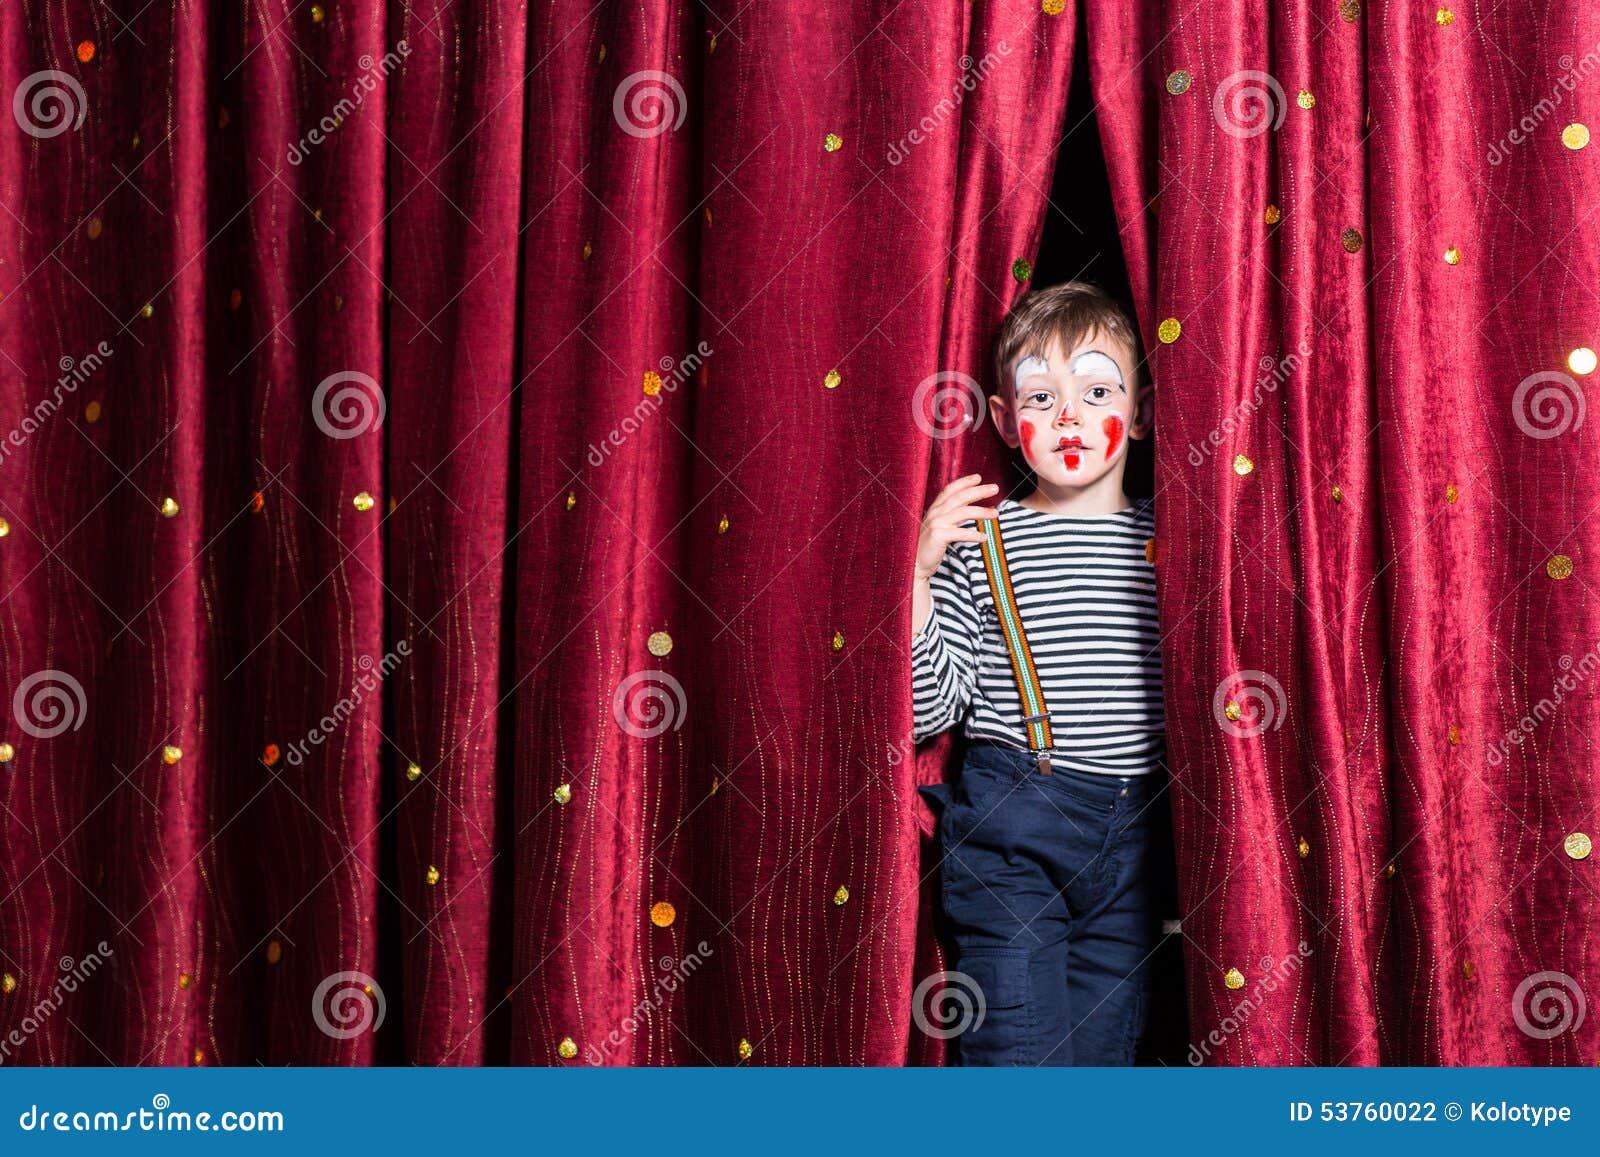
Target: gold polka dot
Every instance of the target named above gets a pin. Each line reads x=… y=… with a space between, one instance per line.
x=1178 y=81
x=274 y=952
x=171 y=754
x=363 y=502
x=1233 y=712
x=431 y=875
x=1242 y=464
x=1233 y=978
x=1150 y=551
x=1053 y=7
x=1350 y=11
x=94 y=228
x=1388 y=871
x=652 y=383
x=1273 y=215
x=746 y=1049
x=1021 y=269
x=723 y=524
x=1444 y=18
x=1169 y=330
x=7 y=753
x=841 y=896
x=85 y=51
x=185 y=980
x=837 y=642
x=1559 y=567
x=572 y=499
x=659 y=644
x=1581 y=361
x=562 y=794
x=1303 y=847
x=318 y=14
x=5 y=527
x=1452 y=256
x=1338 y=493
x=1304 y=99
x=831 y=380
x=662 y=914
x=1578 y=846
x=567 y=1049
x=1451 y=494
x=169 y=507
x=8 y=984
x=600 y=57
x=91 y=412
x=1575 y=136
x=413 y=772
x=833 y=142
x=1467 y=969
x=588 y=250
x=1454 y=735
x=1351 y=240
x=148 y=310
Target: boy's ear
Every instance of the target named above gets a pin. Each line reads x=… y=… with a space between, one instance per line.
x=1005 y=419
x=1144 y=413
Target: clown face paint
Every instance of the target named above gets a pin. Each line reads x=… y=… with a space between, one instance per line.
x=1113 y=427
x=1093 y=364
x=1030 y=367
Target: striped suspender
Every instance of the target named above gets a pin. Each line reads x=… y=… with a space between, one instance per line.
x=1037 y=718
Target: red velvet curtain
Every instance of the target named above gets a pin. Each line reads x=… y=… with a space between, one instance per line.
x=521 y=655
x=1372 y=228
x=463 y=459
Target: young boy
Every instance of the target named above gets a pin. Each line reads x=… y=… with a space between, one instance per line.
x=1034 y=625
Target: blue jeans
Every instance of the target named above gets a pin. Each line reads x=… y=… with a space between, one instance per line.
x=1052 y=889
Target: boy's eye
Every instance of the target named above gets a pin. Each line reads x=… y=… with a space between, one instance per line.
x=1039 y=399
x=1097 y=395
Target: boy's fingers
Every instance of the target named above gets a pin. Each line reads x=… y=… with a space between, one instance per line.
x=961 y=493
x=967 y=513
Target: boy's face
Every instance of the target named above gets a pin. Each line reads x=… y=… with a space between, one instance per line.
x=1071 y=411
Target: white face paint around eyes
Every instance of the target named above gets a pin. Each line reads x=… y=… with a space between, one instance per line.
x=1030 y=367
x=1094 y=362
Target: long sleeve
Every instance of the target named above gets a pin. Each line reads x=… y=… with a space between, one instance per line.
x=944 y=653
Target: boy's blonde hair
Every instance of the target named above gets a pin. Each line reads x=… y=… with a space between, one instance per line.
x=1068 y=312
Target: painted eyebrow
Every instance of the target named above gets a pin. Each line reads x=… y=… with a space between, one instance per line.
x=1073 y=364
x=1018 y=375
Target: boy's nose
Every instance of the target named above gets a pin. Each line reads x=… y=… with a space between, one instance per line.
x=1069 y=413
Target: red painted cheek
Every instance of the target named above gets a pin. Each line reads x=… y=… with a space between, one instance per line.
x=1025 y=431
x=1112 y=427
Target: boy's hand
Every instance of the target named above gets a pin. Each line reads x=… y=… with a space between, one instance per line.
x=942 y=524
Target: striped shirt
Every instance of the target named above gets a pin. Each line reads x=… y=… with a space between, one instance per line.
x=1087 y=597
